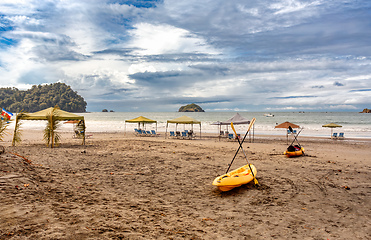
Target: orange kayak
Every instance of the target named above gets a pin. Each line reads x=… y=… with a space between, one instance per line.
x=235 y=178
x=296 y=153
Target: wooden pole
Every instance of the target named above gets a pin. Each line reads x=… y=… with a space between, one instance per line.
x=51 y=129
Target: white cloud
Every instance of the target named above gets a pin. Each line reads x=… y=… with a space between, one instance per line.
x=282 y=55
x=20 y=20
x=342 y=107
x=165 y=39
x=289 y=6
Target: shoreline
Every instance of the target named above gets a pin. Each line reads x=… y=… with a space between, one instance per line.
x=354 y=125
x=66 y=136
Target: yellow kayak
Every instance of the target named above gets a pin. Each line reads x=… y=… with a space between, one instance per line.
x=235 y=178
x=296 y=153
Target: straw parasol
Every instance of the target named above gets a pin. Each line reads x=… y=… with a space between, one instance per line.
x=287 y=125
x=332 y=126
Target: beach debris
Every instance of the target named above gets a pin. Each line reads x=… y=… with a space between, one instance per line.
x=346 y=187
x=24 y=158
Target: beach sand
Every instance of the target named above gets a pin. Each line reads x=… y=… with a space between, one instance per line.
x=127 y=187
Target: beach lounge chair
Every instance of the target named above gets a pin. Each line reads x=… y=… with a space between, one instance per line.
x=172 y=134
x=137 y=131
x=289 y=131
x=184 y=134
x=153 y=133
x=190 y=134
x=334 y=136
x=142 y=132
x=341 y=135
x=238 y=136
x=177 y=134
x=230 y=136
x=78 y=134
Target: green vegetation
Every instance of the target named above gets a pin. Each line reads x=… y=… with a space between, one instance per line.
x=40 y=97
x=4 y=123
x=51 y=135
x=191 y=108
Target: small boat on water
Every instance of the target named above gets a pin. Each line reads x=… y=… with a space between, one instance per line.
x=268 y=115
x=294 y=151
x=235 y=178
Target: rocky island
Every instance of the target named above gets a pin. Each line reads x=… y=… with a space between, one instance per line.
x=191 y=108
x=366 y=110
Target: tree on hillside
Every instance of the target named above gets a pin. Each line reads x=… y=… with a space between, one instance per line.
x=40 y=97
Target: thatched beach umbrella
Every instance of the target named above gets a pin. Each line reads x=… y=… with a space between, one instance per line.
x=332 y=126
x=51 y=115
x=286 y=125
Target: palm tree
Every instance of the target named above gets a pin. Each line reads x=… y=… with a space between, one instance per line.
x=4 y=123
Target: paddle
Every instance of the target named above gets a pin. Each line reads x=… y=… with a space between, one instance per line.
x=290 y=128
x=251 y=123
x=234 y=130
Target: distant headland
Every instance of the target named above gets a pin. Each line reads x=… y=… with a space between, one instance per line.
x=191 y=108
x=39 y=97
x=366 y=110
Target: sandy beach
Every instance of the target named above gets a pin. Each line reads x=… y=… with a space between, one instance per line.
x=126 y=187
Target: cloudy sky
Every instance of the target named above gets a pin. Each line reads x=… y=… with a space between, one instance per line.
x=235 y=55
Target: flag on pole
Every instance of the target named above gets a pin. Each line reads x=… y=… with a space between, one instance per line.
x=6 y=114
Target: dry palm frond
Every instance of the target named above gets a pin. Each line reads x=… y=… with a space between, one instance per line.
x=51 y=136
x=17 y=130
x=4 y=123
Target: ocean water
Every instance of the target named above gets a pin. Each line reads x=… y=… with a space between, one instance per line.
x=354 y=124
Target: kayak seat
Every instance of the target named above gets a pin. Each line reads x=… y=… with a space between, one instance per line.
x=291 y=148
